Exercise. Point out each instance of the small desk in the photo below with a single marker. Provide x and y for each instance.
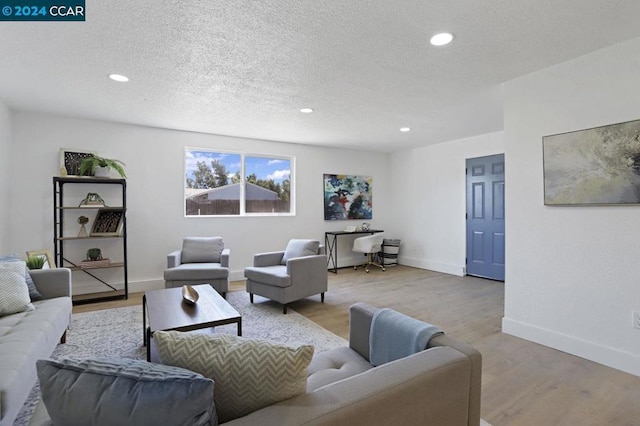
(332, 245)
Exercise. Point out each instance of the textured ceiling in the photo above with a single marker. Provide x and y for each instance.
(245, 68)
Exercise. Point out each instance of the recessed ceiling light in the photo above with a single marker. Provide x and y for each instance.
(405, 129)
(441, 39)
(119, 78)
(306, 110)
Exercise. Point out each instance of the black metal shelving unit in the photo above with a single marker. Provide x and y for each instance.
(59, 238)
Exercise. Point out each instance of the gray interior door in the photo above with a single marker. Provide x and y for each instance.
(485, 217)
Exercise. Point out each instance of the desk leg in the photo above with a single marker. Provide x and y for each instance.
(144, 319)
(332, 252)
(240, 327)
(148, 340)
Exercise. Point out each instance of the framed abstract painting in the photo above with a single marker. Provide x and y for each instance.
(597, 166)
(348, 197)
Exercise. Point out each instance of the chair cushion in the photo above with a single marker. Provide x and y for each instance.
(271, 275)
(34, 294)
(124, 392)
(196, 271)
(333, 365)
(300, 248)
(14, 293)
(249, 373)
(202, 250)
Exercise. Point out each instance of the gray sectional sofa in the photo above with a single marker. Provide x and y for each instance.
(28, 336)
(437, 386)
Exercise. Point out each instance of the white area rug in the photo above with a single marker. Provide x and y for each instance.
(118, 333)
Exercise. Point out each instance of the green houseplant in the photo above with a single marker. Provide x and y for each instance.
(94, 254)
(89, 165)
(36, 262)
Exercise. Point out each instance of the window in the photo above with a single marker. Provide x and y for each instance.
(223, 183)
(268, 185)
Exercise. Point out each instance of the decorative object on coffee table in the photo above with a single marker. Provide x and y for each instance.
(189, 295)
(83, 220)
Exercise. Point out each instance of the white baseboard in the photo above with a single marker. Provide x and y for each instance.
(611, 357)
(140, 286)
(236, 275)
(445, 268)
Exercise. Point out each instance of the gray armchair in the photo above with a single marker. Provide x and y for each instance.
(202, 260)
(293, 274)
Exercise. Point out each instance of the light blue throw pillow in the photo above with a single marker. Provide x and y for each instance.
(124, 392)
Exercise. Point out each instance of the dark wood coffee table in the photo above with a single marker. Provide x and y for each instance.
(167, 311)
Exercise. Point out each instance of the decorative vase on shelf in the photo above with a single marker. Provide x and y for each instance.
(94, 254)
(102, 172)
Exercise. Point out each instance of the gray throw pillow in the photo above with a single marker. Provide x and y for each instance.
(300, 248)
(202, 250)
(34, 294)
(124, 392)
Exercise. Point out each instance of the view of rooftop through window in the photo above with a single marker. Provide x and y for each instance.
(216, 183)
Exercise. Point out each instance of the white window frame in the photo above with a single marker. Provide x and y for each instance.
(243, 156)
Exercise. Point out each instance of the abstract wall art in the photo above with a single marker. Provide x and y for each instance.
(594, 166)
(347, 197)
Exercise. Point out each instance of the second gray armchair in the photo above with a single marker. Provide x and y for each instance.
(202, 260)
(293, 274)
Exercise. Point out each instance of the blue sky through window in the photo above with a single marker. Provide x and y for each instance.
(278, 169)
(231, 162)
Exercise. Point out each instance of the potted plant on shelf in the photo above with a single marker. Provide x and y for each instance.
(100, 167)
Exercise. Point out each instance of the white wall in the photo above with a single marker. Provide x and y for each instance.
(429, 201)
(155, 170)
(5, 156)
(572, 273)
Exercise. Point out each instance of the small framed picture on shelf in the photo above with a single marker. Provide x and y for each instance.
(108, 223)
(49, 263)
(70, 160)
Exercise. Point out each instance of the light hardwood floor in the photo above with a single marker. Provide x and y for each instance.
(523, 383)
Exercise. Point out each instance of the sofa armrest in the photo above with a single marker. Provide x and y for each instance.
(268, 259)
(174, 259)
(476, 371)
(224, 258)
(427, 388)
(360, 317)
(52, 282)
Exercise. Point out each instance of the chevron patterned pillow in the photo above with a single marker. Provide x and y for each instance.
(14, 294)
(249, 374)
